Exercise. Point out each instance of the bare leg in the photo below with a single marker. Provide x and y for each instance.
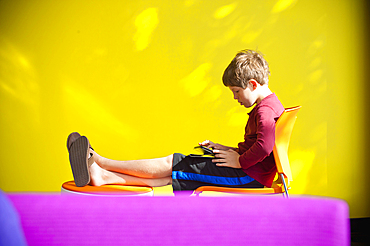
(100, 176)
(148, 169)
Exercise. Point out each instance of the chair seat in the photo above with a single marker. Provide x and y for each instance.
(106, 190)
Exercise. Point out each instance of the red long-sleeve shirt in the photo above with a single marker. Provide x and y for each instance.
(256, 158)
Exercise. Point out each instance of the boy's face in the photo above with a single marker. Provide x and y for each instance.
(245, 97)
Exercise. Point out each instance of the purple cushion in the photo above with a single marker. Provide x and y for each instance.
(266, 220)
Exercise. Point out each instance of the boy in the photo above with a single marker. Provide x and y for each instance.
(250, 165)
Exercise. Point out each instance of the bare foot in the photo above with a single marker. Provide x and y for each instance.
(97, 175)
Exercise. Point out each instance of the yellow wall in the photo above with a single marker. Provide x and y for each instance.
(142, 79)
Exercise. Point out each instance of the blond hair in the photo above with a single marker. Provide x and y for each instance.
(247, 65)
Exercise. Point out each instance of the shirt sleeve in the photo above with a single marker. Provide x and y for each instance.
(264, 144)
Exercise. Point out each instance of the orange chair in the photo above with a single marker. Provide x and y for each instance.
(70, 187)
(283, 131)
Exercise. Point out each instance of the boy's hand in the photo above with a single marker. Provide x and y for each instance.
(210, 144)
(226, 158)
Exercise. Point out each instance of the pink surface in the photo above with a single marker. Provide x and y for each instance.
(80, 220)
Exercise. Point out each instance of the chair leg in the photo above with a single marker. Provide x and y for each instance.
(285, 187)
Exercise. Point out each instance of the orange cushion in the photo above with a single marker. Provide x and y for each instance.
(107, 189)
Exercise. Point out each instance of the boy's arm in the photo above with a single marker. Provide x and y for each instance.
(262, 148)
(265, 139)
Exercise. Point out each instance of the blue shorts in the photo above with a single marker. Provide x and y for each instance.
(189, 173)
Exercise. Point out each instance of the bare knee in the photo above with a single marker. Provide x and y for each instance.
(161, 169)
(169, 160)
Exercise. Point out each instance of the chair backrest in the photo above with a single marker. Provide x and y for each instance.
(283, 131)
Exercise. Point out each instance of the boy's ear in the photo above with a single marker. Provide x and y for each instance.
(253, 83)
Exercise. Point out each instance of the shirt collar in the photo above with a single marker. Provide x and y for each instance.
(263, 102)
